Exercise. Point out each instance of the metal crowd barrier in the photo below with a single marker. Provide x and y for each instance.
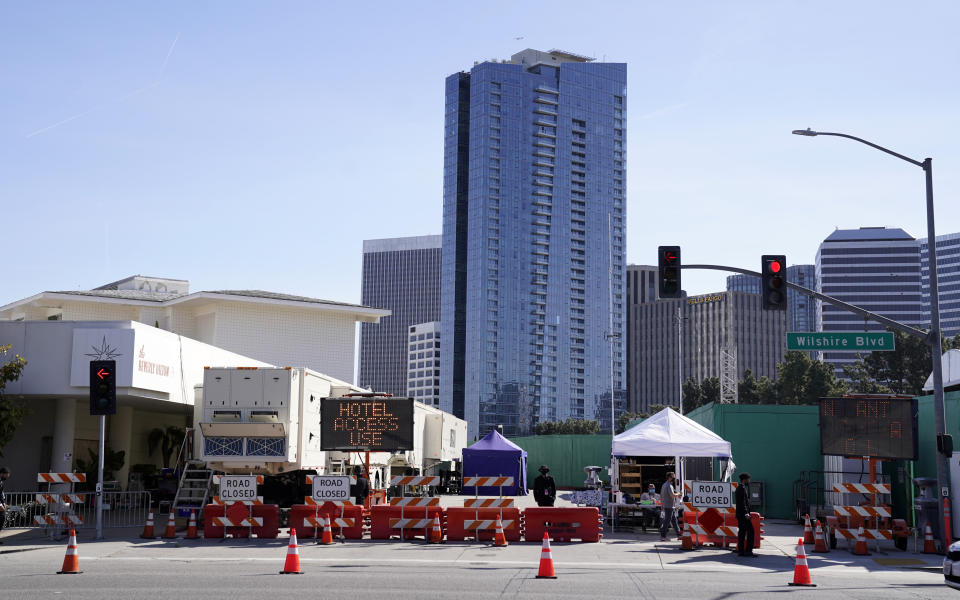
(49, 510)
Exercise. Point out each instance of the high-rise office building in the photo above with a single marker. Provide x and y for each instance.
(801, 309)
(948, 274)
(641, 289)
(423, 362)
(723, 334)
(874, 268)
(533, 240)
(402, 274)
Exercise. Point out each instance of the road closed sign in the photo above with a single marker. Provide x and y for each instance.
(236, 488)
(710, 494)
(331, 488)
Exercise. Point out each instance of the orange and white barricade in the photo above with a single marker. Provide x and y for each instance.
(59, 504)
(403, 480)
(488, 503)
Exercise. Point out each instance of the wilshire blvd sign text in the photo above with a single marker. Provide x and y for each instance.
(841, 341)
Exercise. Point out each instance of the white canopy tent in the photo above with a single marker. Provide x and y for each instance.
(668, 433)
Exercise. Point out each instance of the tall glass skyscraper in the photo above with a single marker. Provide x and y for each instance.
(875, 268)
(533, 240)
(402, 274)
(948, 274)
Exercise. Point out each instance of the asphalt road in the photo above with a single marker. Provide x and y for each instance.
(618, 567)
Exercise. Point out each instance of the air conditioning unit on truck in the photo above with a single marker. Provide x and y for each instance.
(268, 421)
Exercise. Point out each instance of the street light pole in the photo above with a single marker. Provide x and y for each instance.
(933, 336)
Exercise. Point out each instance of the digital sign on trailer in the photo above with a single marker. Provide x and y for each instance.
(377, 424)
(876, 427)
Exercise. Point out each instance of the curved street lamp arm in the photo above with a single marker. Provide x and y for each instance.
(872, 145)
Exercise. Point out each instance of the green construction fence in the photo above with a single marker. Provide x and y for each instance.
(566, 455)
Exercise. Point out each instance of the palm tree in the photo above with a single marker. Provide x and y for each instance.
(168, 439)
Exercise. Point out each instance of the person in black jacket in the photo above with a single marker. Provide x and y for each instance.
(544, 488)
(4, 474)
(745, 525)
(361, 489)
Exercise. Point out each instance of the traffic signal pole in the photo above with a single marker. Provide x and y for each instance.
(932, 339)
(103, 431)
(919, 333)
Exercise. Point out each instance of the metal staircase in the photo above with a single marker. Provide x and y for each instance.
(194, 486)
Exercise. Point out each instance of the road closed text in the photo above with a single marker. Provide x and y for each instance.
(710, 494)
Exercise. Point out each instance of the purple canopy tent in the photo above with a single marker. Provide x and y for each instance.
(495, 456)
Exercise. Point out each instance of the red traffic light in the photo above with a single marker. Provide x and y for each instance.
(775, 266)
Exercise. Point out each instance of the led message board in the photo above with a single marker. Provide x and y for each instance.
(874, 427)
(366, 423)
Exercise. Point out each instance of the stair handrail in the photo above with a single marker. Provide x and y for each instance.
(185, 453)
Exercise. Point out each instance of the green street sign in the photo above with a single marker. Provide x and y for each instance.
(840, 341)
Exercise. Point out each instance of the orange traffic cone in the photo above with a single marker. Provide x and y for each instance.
(801, 573)
(807, 530)
(820, 544)
(929, 544)
(686, 541)
(546, 560)
(148, 528)
(436, 533)
(292, 565)
(71, 560)
(326, 538)
(192, 526)
(498, 538)
(860, 547)
(171, 531)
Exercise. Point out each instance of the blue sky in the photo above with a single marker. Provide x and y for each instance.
(251, 145)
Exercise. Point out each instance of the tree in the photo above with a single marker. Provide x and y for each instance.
(112, 462)
(800, 381)
(822, 383)
(902, 370)
(11, 411)
(574, 426)
(748, 391)
(168, 439)
(792, 378)
(861, 382)
(692, 394)
(625, 418)
(711, 389)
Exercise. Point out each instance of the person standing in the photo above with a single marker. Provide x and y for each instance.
(4, 475)
(544, 488)
(361, 489)
(745, 525)
(669, 499)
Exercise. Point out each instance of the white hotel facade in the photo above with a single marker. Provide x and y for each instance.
(162, 336)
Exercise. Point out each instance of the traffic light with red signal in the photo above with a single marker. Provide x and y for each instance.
(103, 387)
(668, 263)
(773, 288)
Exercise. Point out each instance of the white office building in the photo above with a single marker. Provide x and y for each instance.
(423, 363)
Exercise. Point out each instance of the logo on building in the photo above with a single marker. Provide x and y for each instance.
(151, 368)
(104, 352)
